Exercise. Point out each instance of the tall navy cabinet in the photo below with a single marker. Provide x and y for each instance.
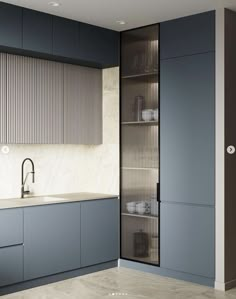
(187, 95)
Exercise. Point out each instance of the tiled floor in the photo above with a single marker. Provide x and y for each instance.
(122, 283)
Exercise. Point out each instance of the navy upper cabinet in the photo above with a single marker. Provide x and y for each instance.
(98, 45)
(65, 37)
(10, 25)
(56, 38)
(185, 36)
(37, 31)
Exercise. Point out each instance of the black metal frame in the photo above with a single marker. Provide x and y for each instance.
(120, 152)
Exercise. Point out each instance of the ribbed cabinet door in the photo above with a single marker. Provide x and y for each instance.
(49, 102)
(3, 99)
(21, 99)
(82, 105)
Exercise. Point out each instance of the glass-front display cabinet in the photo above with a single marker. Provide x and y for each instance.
(139, 149)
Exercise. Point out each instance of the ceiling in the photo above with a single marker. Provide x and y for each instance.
(135, 13)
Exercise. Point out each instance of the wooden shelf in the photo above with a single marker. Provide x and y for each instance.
(140, 76)
(147, 216)
(140, 123)
(141, 168)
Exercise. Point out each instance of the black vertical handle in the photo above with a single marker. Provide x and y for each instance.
(158, 192)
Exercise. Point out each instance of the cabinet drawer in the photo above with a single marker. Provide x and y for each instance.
(11, 227)
(11, 265)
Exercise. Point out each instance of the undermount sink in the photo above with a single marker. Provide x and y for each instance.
(51, 199)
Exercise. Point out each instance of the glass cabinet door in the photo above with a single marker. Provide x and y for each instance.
(139, 148)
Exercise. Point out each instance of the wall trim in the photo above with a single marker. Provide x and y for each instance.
(220, 150)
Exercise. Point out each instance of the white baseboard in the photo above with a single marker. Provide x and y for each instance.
(221, 286)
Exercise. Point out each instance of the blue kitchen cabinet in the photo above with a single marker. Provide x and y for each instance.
(187, 131)
(188, 239)
(98, 45)
(187, 36)
(10, 26)
(11, 227)
(51, 239)
(99, 231)
(37, 31)
(65, 37)
(11, 265)
(11, 246)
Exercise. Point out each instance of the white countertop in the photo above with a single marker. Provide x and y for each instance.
(51, 199)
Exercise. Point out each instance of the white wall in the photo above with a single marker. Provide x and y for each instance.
(71, 168)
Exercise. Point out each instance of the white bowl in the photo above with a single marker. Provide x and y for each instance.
(155, 114)
(147, 114)
(131, 204)
(131, 210)
(140, 210)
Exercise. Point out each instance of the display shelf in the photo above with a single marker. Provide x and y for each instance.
(140, 168)
(148, 216)
(141, 75)
(140, 123)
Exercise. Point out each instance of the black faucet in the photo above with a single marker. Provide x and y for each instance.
(23, 192)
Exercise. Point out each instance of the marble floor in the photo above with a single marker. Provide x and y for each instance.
(122, 283)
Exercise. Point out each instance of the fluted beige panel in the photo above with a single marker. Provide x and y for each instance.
(34, 101)
(82, 105)
(21, 99)
(49, 102)
(3, 99)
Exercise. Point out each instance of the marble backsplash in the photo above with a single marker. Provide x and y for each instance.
(70, 168)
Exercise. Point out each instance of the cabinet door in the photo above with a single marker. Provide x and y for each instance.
(65, 37)
(51, 239)
(3, 99)
(49, 102)
(82, 105)
(187, 129)
(34, 101)
(11, 227)
(37, 31)
(187, 239)
(11, 261)
(188, 35)
(21, 99)
(106, 43)
(99, 231)
(10, 25)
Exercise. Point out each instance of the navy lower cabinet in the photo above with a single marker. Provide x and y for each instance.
(187, 239)
(10, 26)
(37, 31)
(11, 265)
(187, 160)
(51, 239)
(11, 227)
(99, 231)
